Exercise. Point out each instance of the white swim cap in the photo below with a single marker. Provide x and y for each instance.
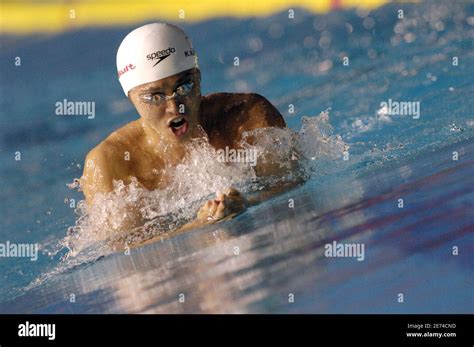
(152, 52)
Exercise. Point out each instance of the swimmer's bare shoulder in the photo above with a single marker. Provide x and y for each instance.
(226, 116)
(106, 162)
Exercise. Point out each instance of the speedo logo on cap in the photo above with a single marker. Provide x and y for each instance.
(161, 55)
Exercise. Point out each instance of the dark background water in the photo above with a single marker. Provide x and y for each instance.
(295, 62)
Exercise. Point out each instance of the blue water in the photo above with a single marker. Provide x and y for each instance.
(295, 62)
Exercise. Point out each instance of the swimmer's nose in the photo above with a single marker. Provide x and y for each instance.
(172, 107)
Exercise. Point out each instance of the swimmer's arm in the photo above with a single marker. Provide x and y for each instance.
(257, 198)
(97, 176)
(101, 168)
(263, 114)
(226, 205)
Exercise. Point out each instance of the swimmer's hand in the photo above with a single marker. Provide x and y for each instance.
(225, 206)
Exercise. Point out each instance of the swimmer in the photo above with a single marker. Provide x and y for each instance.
(158, 71)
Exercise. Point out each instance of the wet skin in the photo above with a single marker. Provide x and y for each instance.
(144, 147)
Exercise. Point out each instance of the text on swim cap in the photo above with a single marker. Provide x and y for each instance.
(189, 53)
(125, 69)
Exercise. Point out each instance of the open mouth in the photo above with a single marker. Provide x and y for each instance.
(179, 126)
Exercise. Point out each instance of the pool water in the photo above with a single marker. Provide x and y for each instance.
(271, 258)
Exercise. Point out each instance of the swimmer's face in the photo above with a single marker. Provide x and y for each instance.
(173, 118)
